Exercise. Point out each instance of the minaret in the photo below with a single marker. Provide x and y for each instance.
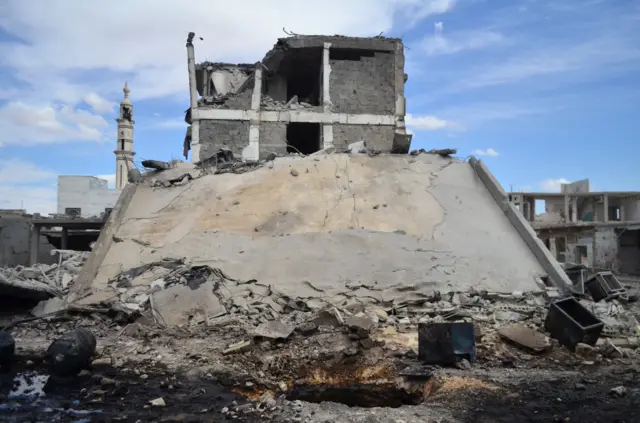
(124, 150)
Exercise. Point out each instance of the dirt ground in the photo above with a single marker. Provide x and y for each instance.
(198, 384)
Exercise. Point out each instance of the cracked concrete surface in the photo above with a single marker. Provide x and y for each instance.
(398, 227)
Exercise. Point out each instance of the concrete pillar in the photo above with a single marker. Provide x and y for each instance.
(622, 212)
(574, 212)
(193, 99)
(34, 250)
(64, 239)
(327, 136)
(605, 203)
(552, 247)
(326, 73)
(251, 152)
(567, 218)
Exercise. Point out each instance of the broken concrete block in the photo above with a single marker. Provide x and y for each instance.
(586, 351)
(610, 350)
(179, 304)
(49, 306)
(509, 316)
(359, 147)
(274, 330)
(329, 317)
(361, 324)
(525, 337)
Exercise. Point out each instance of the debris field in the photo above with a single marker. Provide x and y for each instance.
(305, 289)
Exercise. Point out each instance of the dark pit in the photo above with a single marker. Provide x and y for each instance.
(360, 395)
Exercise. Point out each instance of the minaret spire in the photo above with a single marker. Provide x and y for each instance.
(124, 149)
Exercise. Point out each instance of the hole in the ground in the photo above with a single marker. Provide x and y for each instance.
(360, 395)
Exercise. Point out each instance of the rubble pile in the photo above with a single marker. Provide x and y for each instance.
(181, 295)
(269, 103)
(43, 281)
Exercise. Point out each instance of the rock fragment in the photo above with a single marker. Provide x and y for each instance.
(274, 330)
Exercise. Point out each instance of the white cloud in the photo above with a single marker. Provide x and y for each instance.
(488, 152)
(552, 185)
(26, 185)
(20, 172)
(429, 123)
(24, 124)
(66, 41)
(98, 103)
(111, 179)
(439, 44)
(588, 59)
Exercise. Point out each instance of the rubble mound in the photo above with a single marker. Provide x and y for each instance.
(385, 229)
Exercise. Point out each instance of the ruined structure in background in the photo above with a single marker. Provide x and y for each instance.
(307, 94)
(596, 229)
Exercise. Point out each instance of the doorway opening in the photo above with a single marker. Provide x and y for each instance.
(303, 137)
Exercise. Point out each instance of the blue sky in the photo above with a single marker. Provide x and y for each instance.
(542, 91)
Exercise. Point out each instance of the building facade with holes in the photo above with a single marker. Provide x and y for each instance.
(85, 196)
(596, 229)
(307, 94)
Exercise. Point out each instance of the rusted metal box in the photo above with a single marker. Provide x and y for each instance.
(571, 323)
(446, 343)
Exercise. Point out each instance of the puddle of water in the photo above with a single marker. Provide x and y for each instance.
(28, 385)
(27, 399)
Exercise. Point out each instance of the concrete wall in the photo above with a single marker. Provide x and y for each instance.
(276, 88)
(629, 252)
(273, 138)
(92, 195)
(14, 242)
(631, 209)
(215, 134)
(606, 249)
(377, 137)
(241, 101)
(365, 85)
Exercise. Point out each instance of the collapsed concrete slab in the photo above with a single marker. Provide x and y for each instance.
(391, 229)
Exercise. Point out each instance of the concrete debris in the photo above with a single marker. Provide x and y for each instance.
(181, 305)
(268, 103)
(158, 402)
(156, 165)
(42, 281)
(526, 338)
(274, 330)
(446, 152)
(618, 391)
(359, 147)
(586, 351)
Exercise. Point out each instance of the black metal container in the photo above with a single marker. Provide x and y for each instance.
(570, 323)
(604, 285)
(7, 348)
(445, 343)
(71, 353)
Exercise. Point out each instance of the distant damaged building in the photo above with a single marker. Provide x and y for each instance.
(307, 94)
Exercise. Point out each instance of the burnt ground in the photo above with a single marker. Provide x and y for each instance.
(475, 395)
(198, 384)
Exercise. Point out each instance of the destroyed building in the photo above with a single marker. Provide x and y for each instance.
(308, 93)
(596, 229)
